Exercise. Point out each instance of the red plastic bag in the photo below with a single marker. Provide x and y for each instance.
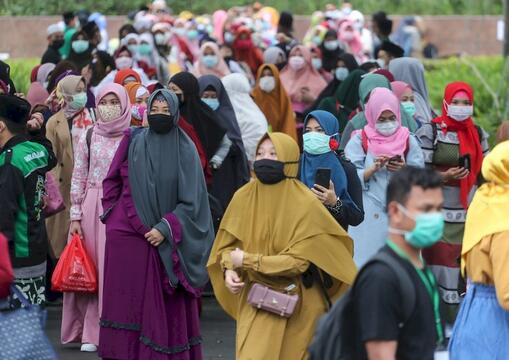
(75, 270)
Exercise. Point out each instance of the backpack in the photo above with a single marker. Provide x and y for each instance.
(335, 334)
(364, 141)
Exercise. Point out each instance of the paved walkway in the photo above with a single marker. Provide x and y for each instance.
(218, 332)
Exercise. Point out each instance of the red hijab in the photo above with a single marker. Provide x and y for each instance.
(246, 51)
(468, 137)
(124, 74)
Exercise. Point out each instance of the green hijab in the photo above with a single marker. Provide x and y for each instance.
(346, 96)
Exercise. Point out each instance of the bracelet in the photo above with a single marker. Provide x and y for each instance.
(337, 207)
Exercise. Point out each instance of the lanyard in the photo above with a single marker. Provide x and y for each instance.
(430, 283)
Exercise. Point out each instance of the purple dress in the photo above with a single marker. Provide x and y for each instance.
(143, 317)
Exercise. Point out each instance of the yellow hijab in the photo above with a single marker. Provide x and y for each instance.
(281, 219)
(489, 210)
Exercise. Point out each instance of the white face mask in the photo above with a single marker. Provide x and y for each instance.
(331, 45)
(109, 112)
(296, 62)
(387, 128)
(460, 112)
(317, 63)
(267, 83)
(123, 62)
(381, 63)
(161, 39)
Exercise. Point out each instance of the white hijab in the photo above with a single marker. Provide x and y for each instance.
(251, 120)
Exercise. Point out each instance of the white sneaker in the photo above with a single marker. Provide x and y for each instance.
(88, 348)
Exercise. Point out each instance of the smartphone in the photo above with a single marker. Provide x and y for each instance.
(464, 161)
(397, 158)
(322, 177)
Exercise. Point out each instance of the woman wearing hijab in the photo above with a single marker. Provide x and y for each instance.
(81, 51)
(210, 62)
(367, 85)
(37, 94)
(455, 146)
(382, 147)
(123, 77)
(43, 73)
(159, 233)
(345, 99)
(232, 171)
(138, 96)
(244, 50)
(266, 239)
(272, 99)
(300, 80)
(251, 120)
(274, 55)
(351, 38)
(321, 135)
(316, 61)
(330, 50)
(95, 151)
(61, 68)
(411, 71)
(64, 130)
(484, 313)
(405, 94)
(198, 118)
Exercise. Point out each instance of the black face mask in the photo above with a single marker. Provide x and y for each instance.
(271, 171)
(160, 123)
(57, 44)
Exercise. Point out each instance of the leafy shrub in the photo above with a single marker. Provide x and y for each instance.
(20, 72)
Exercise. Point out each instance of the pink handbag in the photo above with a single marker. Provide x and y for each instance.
(273, 301)
(53, 198)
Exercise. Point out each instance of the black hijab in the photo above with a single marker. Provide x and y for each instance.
(5, 76)
(198, 114)
(166, 178)
(330, 57)
(83, 59)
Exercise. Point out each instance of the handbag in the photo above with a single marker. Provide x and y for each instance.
(22, 332)
(53, 198)
(282, 304)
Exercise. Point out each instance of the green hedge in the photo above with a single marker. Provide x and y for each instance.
(491, 78)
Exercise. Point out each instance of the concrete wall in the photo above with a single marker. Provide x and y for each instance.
(25, 36)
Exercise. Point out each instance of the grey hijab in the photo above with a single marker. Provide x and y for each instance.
(271, 55)
(411, 71)
(166, 177)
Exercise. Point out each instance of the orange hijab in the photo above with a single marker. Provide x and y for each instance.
(276, 105)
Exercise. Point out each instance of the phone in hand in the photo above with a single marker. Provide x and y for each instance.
(396, 158)
(464, 161)
(322, 177)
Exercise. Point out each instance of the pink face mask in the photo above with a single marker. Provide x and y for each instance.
(138, 111)
(296, 62)
(347, 35)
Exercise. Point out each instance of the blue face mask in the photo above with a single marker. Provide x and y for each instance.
(212, 103)
(133, 48)
(192, 34)
(80, 46)
(144, 49)
(429, 229)
(78, 101)
(317, 63)
(210, 61)
(409, 107)
(341, 73)
(316, 143)
(317, 40)
(228, 37)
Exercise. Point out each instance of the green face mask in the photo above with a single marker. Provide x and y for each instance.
(429, 228)
(409, 107)
(144, 49)
(79, 101)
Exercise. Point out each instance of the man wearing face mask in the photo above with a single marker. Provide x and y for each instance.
(387, 52)
(396, 301)
(55, 41)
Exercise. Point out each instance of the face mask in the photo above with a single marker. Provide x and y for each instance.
(267, 83)
(79, 101)
(212, 103)
(109, 112)
(138, 110)
(210, 61)
(429, 228)
(161, 39)
(297, 62)
(387, 128)
(460, 112)
(160, 123)
(123, 62)
(192, 34)
(342, 73)
(270, 171)
(348, 35)
(228, 37)
(317, 63)
(381, 63)
(331, 45)
(316, 143)
(57, 44)
(409, 107)
(133, 48)
(180, 31)
(145, 49)
(316, 40)
(80, 46)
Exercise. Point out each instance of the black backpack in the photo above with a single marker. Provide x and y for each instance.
(335, 334)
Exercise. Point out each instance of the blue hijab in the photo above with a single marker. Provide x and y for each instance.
(309, 163)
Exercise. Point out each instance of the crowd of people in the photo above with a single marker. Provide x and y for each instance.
(195, 148)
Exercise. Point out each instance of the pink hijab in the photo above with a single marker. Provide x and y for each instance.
(220, 70)
(37, 94)
(355, 44)
(117, 126)
(219, 19)
(382, 99)
(399, 87)
(293, 80)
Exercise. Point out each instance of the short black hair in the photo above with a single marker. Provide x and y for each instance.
(385, 26)
(14, 127)
(369, 65)
(403, 180)
(68, 16)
